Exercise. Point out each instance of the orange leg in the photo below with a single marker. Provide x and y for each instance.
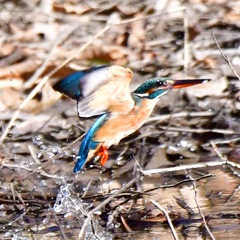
(104, 155)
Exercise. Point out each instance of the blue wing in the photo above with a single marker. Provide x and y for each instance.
(99, 90)
(70, 85)
(88, 143)
(73, 84)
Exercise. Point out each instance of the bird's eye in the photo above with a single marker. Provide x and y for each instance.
(166, 83)
(159, 83)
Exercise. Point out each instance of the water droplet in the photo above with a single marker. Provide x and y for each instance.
(98, 212)
(55, 150)
(46, 220)
(117, 225)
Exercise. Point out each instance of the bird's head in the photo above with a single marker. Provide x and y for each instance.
(156, 87)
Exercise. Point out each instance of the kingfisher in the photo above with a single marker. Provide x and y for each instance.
(103, 92)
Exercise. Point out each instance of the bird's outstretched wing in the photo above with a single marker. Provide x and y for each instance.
(99, 90)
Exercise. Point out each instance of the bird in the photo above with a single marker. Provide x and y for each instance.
(103, 93)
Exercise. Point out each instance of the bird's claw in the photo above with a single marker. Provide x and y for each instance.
(104, 155)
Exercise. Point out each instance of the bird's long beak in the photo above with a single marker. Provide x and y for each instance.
(187, 83)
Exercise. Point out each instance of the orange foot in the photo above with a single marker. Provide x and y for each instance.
(104, 155)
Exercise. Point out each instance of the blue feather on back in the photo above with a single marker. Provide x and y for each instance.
(88, 143)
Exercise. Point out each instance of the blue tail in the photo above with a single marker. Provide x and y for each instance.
(70, 85)
(88, 143)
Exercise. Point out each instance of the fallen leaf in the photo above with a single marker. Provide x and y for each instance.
(70, 8)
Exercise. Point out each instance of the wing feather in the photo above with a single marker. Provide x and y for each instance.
(72, 85)
(99, 90)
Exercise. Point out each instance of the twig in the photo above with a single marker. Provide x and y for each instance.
(69, 145)
(113, 196)
(150, 16)
(225, 57)
(13, 193)
(125, 224)
(186, 42)
(215, 148)
(167, 217)
(198, 130)
(33, 154)
(182, 167)
(81, 233)
(20, 198)
(220, 155)
(87, 188)
(222, 141)
(18, 218)
(181, 114)
(178, 183)
(38, 169)
(57, 222)
(94, 232)
(199, 209)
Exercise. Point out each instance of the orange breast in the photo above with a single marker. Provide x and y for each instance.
(120, 126)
